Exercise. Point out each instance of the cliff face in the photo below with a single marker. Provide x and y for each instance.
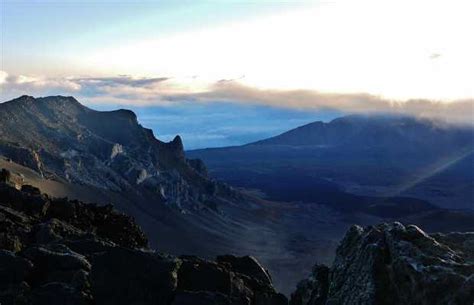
(56, 251)
(391, 264)
(62, 139)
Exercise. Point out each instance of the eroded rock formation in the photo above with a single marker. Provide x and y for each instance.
(62, 139)
(392, 264)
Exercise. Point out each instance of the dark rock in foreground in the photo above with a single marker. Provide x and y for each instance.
(392, 264)
(58, 252)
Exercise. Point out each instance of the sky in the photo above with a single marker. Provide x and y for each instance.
(254, 61)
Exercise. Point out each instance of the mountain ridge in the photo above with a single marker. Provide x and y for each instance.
(320, 133)
(380, 156)
(62, 138)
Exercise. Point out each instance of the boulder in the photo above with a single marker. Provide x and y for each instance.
(89, 245)
(55, 230)
(14, 271)
(242, 280)
(59, 294)
(125, 276)
(14, 229)
(392, 264)
(247, 265)
(56, 257)
(200, 275)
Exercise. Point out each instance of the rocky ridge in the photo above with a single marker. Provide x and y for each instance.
(391, 264)
(57, 251)
(62, 139)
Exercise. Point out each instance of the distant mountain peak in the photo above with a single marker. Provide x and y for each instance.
(24, 97)
(51, 104)
(21, 99)
(53, 98)
(363, 130)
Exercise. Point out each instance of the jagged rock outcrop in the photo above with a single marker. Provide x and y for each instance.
(392, 264)
(56, 252)
(60, 138)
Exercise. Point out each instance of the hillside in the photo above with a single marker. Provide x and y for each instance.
(379, 156)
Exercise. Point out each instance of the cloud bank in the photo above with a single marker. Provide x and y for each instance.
(457, 111)
(127, 90)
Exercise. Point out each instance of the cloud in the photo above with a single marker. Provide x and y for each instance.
(3, 77)
(122, 80)
(14, 85)
(457, 111)
(127, 90)
(121, 89)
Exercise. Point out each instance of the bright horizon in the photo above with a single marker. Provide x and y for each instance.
(409, 57)
(398, 50)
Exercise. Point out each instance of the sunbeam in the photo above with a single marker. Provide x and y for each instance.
(430, 171)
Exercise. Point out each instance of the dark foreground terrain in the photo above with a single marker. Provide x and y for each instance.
(56, 251)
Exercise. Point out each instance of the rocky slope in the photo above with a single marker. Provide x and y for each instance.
(56, 251)
(392, 264)
(62, 139)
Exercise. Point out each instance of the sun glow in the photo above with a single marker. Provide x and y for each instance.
(399, 50)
